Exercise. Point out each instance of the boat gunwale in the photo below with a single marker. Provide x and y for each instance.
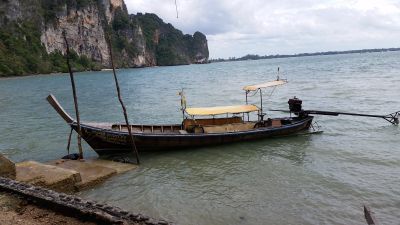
(256, 130)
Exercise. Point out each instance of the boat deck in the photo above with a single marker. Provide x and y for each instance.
(206, 126)
(170, 128)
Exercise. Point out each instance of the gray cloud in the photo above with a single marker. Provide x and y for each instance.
(235, 28)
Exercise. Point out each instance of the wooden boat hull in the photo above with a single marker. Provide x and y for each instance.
(108, 141)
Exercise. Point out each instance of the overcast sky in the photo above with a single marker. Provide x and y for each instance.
(240, 27)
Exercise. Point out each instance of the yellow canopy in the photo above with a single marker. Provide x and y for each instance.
(265, 85)
(221, 110)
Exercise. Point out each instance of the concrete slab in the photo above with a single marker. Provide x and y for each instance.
(92, 172)
(53, 177)
(69, 175)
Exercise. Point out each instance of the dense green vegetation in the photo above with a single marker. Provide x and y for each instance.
(121, 20)
(21, 52)
(50, 8)
(169, 49)
(149, 23)
(120, 26)
(169, 45)
(173, 47)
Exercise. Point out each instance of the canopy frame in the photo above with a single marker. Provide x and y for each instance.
(258, 88)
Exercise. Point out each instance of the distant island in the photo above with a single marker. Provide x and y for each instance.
(257, 57)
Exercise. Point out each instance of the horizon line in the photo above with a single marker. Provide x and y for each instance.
(257, 56)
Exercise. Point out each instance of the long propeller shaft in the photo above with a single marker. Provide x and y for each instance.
(392, 118)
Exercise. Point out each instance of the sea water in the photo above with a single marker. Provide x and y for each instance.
(312, 179)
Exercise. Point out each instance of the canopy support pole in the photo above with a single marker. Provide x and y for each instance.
(247, 102)
(261, 102)
(262, 111)
(183, 104)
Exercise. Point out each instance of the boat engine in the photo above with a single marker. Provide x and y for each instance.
(295, 105)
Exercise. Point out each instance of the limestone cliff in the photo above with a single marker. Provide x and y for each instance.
(169, 46)
(31, 37)
(84, 30)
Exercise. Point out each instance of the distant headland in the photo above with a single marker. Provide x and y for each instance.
(257, 57)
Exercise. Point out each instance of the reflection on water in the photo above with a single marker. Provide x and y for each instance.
(295, 153)
(306, 179)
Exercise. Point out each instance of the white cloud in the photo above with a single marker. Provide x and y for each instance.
(235, 28)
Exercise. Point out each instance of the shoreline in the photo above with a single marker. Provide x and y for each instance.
(83, 71)
(301, 55)
(50, 74)
(32, 75)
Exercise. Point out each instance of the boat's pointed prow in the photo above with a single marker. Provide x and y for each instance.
(60, 110)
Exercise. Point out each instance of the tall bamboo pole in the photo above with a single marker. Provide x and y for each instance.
(134, 149)
(71, 75)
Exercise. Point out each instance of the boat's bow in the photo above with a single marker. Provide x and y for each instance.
(59, 109)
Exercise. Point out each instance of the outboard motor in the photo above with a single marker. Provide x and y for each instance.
(295, 105)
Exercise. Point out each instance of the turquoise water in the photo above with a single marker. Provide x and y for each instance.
(318, 179)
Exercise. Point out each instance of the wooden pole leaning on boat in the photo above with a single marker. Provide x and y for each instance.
(71, 75)
(122, 103)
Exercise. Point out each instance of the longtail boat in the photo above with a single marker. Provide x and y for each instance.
(107, 138)
(202, 126)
